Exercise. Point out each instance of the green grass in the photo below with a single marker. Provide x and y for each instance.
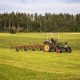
(38, 65)
(37, 38)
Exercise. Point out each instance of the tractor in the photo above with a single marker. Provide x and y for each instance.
(52, 45)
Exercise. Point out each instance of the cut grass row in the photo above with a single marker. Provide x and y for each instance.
(13, 73)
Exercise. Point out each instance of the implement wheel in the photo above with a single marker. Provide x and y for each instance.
(47, 48)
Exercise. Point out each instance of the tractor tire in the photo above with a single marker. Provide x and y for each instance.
(69, 50)
(47, 48)
(58, 50)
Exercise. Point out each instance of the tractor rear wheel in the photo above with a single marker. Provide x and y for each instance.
(47, 48)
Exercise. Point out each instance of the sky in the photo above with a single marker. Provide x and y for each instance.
(40, 6)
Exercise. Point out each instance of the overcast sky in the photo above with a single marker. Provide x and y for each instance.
(40, 6)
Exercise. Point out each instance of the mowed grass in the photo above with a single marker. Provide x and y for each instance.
(7, 40)
(38, 65)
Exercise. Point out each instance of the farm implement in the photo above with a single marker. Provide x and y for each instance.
(28, 47)
(47, 46)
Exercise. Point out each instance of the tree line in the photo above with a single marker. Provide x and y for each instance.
(22, 22)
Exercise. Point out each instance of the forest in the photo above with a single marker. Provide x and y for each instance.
(25, 22)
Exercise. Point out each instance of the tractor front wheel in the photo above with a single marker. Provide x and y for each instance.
(58, 50)
(69, 50)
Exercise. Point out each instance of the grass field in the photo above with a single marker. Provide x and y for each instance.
(38, 65)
